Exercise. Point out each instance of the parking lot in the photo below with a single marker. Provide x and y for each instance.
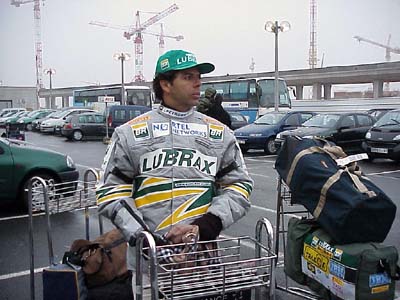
(14, 255)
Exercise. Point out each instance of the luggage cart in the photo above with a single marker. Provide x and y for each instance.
(238, 272)
(285, 207)
(15, 131)
(48, 198)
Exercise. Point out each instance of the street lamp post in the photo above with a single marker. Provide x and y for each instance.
(122, 56)
(50, 72)
(276, 28)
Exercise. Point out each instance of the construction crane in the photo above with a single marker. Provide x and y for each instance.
(137, 31)
(386, 47)
(38, 41)
(312, 52)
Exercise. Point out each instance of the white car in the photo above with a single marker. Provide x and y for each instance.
(54, 125)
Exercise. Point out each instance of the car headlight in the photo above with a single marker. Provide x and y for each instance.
(70, 162)
(20, 121)
(396, 138)
(255, 134)
(308, 136)
(368, 135)
(278, 136)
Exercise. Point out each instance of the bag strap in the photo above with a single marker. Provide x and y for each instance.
(392, 271)
(333, 179)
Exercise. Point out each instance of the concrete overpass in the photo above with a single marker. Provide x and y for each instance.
(376, 74)
(321, 79)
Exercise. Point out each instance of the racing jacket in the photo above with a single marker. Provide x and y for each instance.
(173, 167)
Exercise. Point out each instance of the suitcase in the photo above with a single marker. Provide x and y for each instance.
(359, 271)
(347, 205)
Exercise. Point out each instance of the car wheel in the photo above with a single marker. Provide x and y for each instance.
(77, 135)
(37, 192)
(270, 147)
(29, 126)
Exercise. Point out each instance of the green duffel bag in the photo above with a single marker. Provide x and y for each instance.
(298, 230)
(359, 271)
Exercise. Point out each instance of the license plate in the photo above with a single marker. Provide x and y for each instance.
(379, 150)
(241, 142)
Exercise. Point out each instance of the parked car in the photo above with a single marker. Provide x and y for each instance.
(21, 161)
(34, 115)
(383, 139)
(54, 124)
(261, 134)
(84, 126)
(14, 118)
(12, 115)
(36, 123)
(346, 130)
(377, 113)
(237, 119)
(5, 111)
(120, 114)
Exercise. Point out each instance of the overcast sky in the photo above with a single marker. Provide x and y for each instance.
(226, 33)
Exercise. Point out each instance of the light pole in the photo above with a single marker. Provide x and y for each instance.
(276, 28)
(122, 56)
(50, 72)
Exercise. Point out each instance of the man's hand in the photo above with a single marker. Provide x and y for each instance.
(183, 234)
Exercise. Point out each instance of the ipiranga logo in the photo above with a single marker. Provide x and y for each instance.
(216, 132)
(162, 158)
(140, 131)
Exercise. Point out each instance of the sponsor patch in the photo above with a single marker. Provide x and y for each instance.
(316, 258)
(160, 129)
(162, 158)
(337, 269)
(140, 131)
(164, 64)
(379, 279)
(139, 119)
(216, 132)
(380, 289)
(188, 129)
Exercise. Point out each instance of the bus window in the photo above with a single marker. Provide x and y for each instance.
(238, 90)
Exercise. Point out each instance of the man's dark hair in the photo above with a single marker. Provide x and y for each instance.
(168, 76)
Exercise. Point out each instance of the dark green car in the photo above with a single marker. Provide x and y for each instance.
(20, 161)
(34, 115)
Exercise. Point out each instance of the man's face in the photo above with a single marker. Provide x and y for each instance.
(184, 91)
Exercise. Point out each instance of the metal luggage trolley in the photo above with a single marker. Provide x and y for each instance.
(236, 272)
(50, 198)
(285, 207)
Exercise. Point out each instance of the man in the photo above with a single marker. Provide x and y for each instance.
(211, 105)
(178, 169)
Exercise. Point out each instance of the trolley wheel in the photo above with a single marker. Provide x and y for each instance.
(270, 147)
(51, 180)
(77, 135)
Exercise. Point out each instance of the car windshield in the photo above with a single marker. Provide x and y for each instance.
(33, 113)
(269, 119)
(322, 120)
(388, 119)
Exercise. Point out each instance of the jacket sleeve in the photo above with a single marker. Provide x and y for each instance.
(234, 186)
(116, 184)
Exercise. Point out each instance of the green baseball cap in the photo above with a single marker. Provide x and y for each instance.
(175, 60)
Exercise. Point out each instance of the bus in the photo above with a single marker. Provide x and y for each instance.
(135, 95)
(252, 97)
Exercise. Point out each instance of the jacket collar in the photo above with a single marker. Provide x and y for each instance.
(169, 112)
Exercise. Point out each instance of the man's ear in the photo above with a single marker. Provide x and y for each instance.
(165, 85)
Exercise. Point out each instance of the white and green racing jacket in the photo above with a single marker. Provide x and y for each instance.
(173, 167)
